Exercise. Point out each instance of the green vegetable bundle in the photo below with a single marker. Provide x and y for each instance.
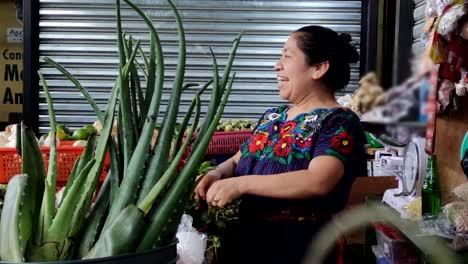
(140, 204)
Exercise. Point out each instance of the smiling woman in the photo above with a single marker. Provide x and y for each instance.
(296, 170)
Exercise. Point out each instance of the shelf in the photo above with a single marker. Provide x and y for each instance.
(379, 128)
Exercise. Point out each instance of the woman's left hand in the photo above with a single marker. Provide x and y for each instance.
(223, 192)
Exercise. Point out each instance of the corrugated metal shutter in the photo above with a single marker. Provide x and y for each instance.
(80, 34)
(419, 21)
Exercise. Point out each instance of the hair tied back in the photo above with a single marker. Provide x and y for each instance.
(349, 51)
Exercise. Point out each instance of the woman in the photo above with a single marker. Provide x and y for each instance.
(297, 169)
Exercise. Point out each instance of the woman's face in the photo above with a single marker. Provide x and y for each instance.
(293, 73)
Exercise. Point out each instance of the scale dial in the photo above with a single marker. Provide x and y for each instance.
(411, 167)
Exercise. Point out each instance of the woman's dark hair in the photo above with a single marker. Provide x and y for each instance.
(321, 44)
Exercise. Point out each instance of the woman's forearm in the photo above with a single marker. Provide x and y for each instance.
(319, 179)
(290, 185)
(227, 168)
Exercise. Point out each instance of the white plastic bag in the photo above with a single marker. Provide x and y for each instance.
(192, 244)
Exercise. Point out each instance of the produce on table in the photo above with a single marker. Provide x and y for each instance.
(236, 125)
(144, 195)
(8, 137)
(81, 134)
(63, 133)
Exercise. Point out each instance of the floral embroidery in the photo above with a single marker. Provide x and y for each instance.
(302, 143)
(258, 142)
(342, 142)
(287, 129)
(286, 141)
(273, 128)
(273, 116)
(283, 147)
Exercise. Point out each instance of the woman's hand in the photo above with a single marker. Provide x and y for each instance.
(224, 191)
(203, 186)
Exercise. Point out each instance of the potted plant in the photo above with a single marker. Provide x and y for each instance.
(135, 216)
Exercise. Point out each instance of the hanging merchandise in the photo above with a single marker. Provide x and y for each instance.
(456, 53)
(430, 110)
(445, 95)
(461, 88)
(436, 7)
(448, 21)
(449, 49)
(438, 44)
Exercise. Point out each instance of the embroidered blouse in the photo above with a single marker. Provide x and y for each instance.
(280, 145)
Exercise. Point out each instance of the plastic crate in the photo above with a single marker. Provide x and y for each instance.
(397, 249)
(227, 142)
(10, 162)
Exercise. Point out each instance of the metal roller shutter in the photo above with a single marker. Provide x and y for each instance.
(80, 34)
(419, 20)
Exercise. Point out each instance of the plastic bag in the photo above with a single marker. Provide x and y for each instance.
(431, 8)
(448, 21)
(192, 244)
(436, 7)
(450, 223)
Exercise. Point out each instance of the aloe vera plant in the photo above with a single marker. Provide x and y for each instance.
(143, 197)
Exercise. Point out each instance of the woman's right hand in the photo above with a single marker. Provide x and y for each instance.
(203, 186)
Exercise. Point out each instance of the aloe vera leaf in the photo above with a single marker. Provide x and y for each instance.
(10, 243)
(121, 236)
(55, 241)
(48, 201)
(214, 98)
(95, 173)
(70, 215)
(154, 70)
(116, 172)
(87, 155)
(84, 159)
(94, 221)
(134, 87)
(224, 80)
(129, 140)
(128, 51)
(61, 222)
(75, 81)
(186, 119)
(232, 55)
(120, 39)
(171, 172)
(164, 223)
(129, 185)
(188, 85)
(33, 166)
(71, 179)
(145, 59)
(158, 163)
(142, 69)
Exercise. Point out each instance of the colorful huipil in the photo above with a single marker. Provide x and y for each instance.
(280, 145)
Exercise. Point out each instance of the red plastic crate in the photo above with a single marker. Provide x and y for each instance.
(394, 246)
(227, 142)
(10, 162)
